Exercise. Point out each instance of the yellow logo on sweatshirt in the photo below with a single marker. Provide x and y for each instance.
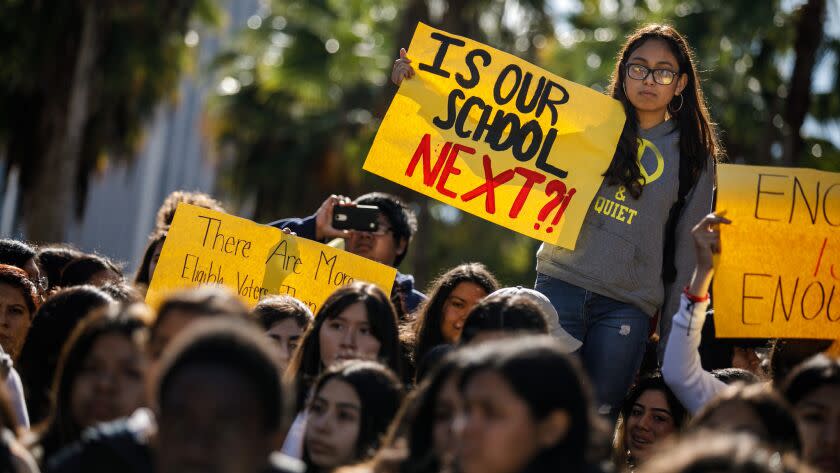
(621, 212)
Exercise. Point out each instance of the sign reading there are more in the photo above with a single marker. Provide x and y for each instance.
(208, 247)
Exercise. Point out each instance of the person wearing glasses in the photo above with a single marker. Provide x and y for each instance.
(387, 245)
(635, 244)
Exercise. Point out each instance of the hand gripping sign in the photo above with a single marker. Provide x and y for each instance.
(497, 137)
(778, 274)
(208, 247)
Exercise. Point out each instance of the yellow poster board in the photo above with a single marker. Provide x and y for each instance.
(208, 247)
(779, 272)
(495, 136)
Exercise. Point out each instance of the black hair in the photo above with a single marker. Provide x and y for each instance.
(430, 360)
(734, 375)
(380, 394)
(767, 405)
(306, 363)
(274, 309)
(787, 354)
(546, 379)
(60, 429)
(653, 382)
(401, 218)
(203, 301)
(52, 325)
(52, 260)
(516, 313)
(811, 375)
(143, 276)
(430, 314)
(722, 453)
(698, 133)
(80, 270)
(15, 252)
(416, 418)
(228, 344)
(122, 292)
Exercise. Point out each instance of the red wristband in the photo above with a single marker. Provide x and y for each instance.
(691, 297)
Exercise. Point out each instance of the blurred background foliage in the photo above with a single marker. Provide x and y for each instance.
(302, 89)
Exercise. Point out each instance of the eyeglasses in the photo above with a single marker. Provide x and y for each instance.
(41, 283)
(660, 76)
(382, 230)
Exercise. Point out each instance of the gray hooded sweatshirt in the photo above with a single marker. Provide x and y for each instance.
(620, 246)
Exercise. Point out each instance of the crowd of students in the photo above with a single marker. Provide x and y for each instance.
(470, 377)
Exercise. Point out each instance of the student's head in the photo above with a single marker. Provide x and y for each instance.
(753, 409)
(150, 258)
(813, 389)
(397, 225)
(122, 292)
(526, 408)
(649, 414)
(351, 407)
(101, 375)
(181, 308)
(356, 321)
(219, 398)
(284, 319)
(709, 452)
(52, 259)
(787, 354)
(18, 303)
(672, 90)
(451, 297)
(19, 254)
(736, 375)
(52, 325)
(90, 269)
(500, 316)
(166, 212)
(426, 419)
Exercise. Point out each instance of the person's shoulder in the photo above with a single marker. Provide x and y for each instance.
(120, 445)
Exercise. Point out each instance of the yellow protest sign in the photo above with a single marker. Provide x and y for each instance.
(208, 247)
(495, 136)
(779, 272)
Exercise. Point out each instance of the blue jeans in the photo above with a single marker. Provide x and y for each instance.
(614, 335)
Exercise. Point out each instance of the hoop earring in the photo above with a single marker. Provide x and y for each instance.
(678, 108)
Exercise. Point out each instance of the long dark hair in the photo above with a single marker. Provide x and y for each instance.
(143, 276)
(698, 133)
(428, 322)
(653, 382)
(61, 429)
(546, 379)
(306, 363)
(380, 394)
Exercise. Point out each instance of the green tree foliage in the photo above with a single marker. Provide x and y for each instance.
(301, 97)
(77, 79)
(749, 54)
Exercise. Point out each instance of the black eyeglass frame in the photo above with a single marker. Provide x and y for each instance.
(657, 73)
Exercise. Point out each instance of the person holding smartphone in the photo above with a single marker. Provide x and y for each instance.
(386, 241)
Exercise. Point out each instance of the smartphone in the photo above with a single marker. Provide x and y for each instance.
(363, 218)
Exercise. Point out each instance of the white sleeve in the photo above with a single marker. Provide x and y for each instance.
(681, 368)
(15, 389)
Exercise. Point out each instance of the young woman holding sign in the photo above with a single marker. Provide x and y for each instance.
(634, 248)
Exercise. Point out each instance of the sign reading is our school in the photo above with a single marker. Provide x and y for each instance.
(493, 135)
(253, 260)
